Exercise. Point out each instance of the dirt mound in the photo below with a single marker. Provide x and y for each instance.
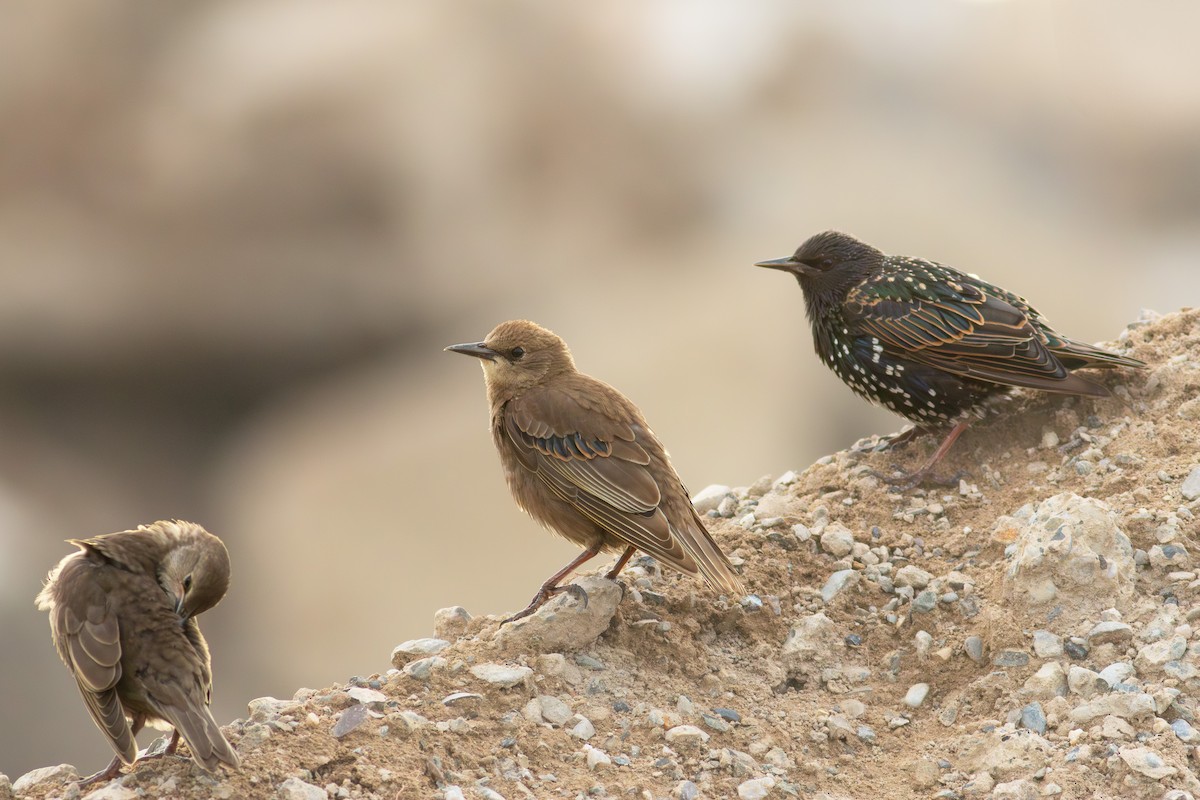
(1026, 633)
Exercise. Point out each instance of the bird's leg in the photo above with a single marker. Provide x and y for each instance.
(904, 437)
(616, 570)
(168, 750)
(107, 774)
(551, 587)
(925, 473)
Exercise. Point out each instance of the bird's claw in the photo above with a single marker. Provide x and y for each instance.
(575, 590)
(906, 481)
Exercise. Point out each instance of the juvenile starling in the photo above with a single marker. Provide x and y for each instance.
(122, 616)
(581, 460)
(931, 343)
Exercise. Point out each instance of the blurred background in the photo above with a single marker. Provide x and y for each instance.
(235, 237)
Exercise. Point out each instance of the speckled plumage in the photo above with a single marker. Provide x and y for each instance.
(926, 341)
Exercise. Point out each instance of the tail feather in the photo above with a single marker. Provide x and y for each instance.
(209, 746)
(713, 564)
(1079, 355)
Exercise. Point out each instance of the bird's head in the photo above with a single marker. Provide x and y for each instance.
(829, 261)
(518, 355)
(194, 572)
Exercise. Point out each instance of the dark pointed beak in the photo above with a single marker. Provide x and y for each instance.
(788, 264)
(477, 349)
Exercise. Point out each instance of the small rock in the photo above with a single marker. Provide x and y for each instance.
(349, 719)
(366, 696)
(584, 729)
(1186, 733)
(1106, 632)
(502, 675)
(1153, 656)
(112, 791)
(1084, 682)
(422, 668)
(686, 735)
(755, 788)
(1191, 485)
(973, 646)
(1015, 790)
(837, 540)
(29, 782)
(564, 624)
(1047, 645)
(1033, 718)
(1011, 658)
(295, 789)
(708, 498)
(453, 793)
(685, 790)
(412, 721)
(462, 698)
(554, 711)
(842, 579)
(1146, 762)
(910, 575)
(416, 648)
(916, 695)
(449, 623)
(1116, 673)
(1048, 682)
(925, 602)
(597, 759)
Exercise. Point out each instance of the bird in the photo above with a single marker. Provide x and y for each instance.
(123, 618)
(581, 460)
(933, 344)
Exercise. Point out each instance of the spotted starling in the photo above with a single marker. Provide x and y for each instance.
(581, 460)
(931, 343)
(123, 618)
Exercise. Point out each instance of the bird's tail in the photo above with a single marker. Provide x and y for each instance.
(209, 746)
(1078, 355)
(712, 563)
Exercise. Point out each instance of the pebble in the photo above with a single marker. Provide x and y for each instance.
(910, 575)
(44, 775)
(597, 759)
(842, 579)
(423, 668)
(1186, 733)
(1033, 717)
(453, 793)
(728, 714)
(916, 695)
(925, 602)
(755, 788)
(584, 729)
(366, 696)
(686, 735)
(708, 498)
(450, 622)
(1145, 761)
(553, 710)
(295, 789)
(685, 790)
(502, 675)
(416, 648)
(116, 791)
(1047, 644)
(1191, 485)
(1011, 658)
(349, 720)
(973, 646)
(1109, 632)
(837, 540)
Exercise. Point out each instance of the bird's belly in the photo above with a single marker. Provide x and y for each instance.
(550, 510)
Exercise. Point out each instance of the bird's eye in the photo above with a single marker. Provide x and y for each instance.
(187, 583)
(517, 353)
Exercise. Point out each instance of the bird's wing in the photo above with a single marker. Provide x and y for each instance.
(960, 325)
(87, 634)
(599, 465)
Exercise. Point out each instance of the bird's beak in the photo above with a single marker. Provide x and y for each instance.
(788, 264)
(477, 349)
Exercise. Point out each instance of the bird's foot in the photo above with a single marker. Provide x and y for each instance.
(909, 480)
(107, 774)
(544, 594)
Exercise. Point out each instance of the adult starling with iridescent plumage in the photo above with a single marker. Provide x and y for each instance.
(123, 618)
(928, 342)
(581, 460)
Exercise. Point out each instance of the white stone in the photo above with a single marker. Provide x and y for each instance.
(416, 648)
(755, 788)
(597, 759)
(916, 695)
(584, 729)
(1048, 682)
(365, 695)
(914, 576)
(684, 735)
(1145, 761)
(1191, 485)
(296, 789)
(60, 773)
(564, 624)
(502, 675)
(554, 711)
(837, 540)
(708, 498)
(1015, 790)
(112, 791)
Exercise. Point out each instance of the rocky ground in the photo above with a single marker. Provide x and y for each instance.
(1031, 632)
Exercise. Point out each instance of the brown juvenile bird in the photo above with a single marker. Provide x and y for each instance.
(581, 460)
(122, 616)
